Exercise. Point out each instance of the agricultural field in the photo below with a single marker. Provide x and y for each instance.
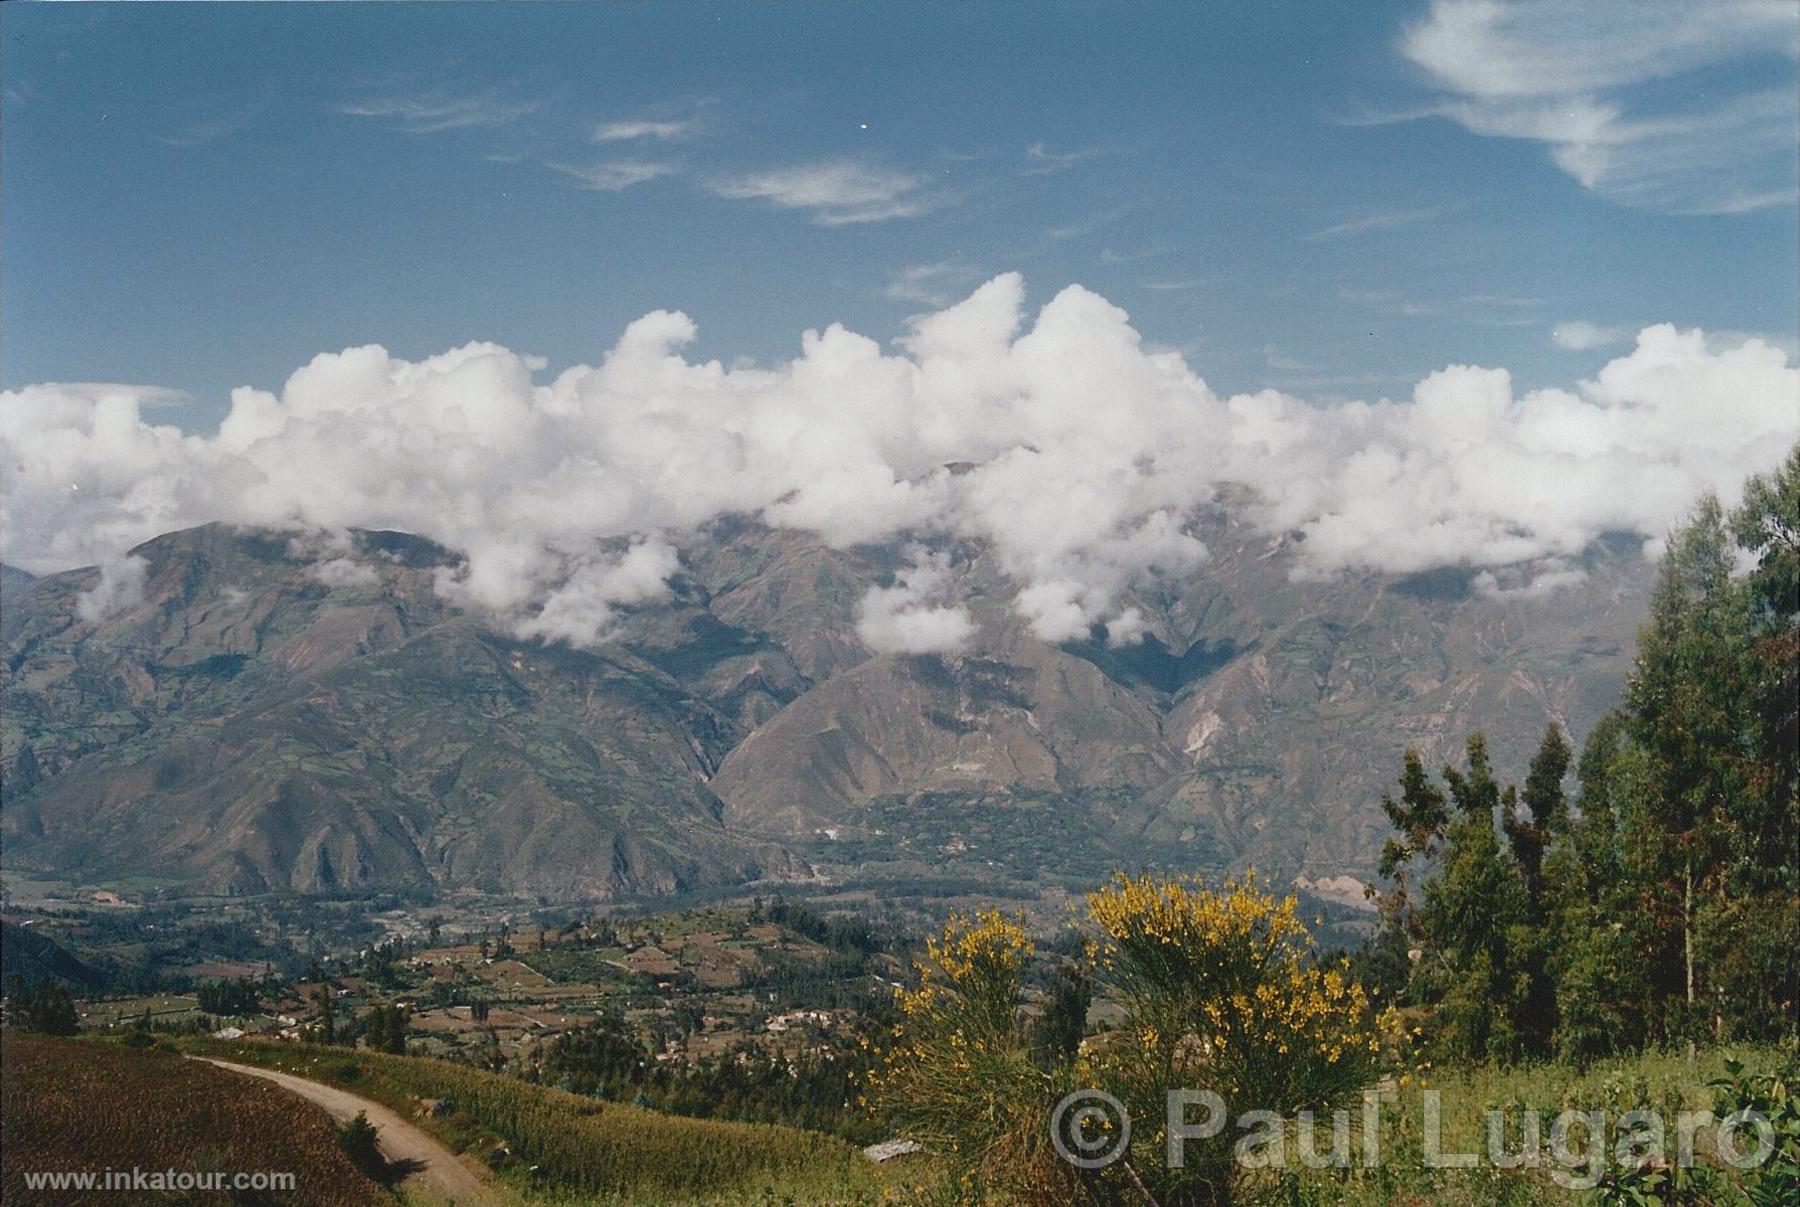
(692, 984)
(753, 1012)
(80, 1105)
(552, 1146)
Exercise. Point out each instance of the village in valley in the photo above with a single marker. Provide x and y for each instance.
(694, 984)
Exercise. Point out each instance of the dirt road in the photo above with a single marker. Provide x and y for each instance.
(435, 1169)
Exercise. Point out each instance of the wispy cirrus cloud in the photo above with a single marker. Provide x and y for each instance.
(1579, 78)
(1040, 160)
(1371, 223)
(212, 128)
(837, 192)
(929, 284)
(1579, 335)
(632, 131)
(1388, 302)
(437, 112)
(1501, 299)
(1538, 48)
(614, 176)
(1282, 361)
(1110, 256)
(1094, 223)
(1486, 309)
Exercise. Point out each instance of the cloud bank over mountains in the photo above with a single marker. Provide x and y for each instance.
(1059, 438)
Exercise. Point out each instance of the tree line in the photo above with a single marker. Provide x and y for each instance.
(1659, 903)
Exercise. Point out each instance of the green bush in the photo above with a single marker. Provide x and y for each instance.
(358, 1140)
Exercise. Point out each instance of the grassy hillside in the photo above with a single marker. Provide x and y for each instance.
(565, 1147)
(78, 1105)
(1665, 1082)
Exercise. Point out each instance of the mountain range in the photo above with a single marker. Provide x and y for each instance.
(258, 719)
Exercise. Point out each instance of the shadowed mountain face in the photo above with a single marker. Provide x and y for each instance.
(257, 722)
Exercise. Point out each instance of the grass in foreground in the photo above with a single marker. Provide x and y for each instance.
(1666, 1082)
(555, 1146)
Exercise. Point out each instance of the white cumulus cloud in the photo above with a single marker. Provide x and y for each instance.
(907, 617)
(344, 572)
(121, 588)
(581, 610)
(1074, 453)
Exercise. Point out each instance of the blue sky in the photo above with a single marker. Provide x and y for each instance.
(1333, 199)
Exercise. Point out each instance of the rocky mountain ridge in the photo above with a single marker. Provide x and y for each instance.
(270, 717)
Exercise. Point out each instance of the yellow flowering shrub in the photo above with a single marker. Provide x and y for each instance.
(1221, 992)
(1224, 995)
(1231, 971)
(956, 1074)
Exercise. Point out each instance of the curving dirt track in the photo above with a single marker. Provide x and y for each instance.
(433, 1168)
